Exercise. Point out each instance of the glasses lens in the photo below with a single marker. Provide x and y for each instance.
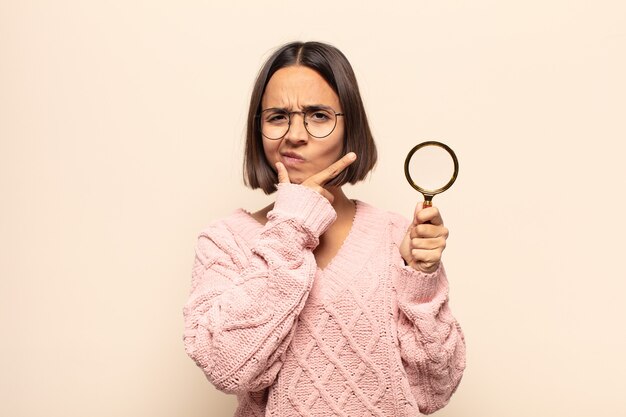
(274, 123)
(320, 122)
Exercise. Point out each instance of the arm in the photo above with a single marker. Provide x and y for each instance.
(243, 305)
(432, 344)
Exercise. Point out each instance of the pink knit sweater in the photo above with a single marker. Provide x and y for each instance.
(365, 336)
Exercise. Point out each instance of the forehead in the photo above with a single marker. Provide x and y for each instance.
(298, 86)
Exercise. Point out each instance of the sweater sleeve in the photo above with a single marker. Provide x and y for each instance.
(432, 345)
(243, 305)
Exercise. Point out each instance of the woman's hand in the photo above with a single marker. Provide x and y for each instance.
(425, 240)
(317, 181)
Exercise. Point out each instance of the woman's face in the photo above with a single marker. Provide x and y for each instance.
(297, 88)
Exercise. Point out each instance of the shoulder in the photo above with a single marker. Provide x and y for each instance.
(230, 235)
(225, 226)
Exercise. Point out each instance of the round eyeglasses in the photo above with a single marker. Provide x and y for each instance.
(319, 122)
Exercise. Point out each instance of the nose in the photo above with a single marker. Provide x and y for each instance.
(297, 132)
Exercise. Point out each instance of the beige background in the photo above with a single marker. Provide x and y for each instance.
(121, 127)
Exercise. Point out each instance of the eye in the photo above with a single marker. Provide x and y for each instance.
(319, 116)
(276, 117)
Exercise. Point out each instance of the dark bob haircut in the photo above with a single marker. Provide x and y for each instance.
(334, 67)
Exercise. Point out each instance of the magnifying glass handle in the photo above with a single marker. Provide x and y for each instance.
(428, 202)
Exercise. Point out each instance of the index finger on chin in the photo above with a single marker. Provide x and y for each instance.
(283, 175)
(334, 169)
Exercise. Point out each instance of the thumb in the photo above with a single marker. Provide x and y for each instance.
(418, 208)
(283, 175)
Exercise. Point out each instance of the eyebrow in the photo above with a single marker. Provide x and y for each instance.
(304, 108)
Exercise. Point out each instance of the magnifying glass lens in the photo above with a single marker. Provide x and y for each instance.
(431, 167)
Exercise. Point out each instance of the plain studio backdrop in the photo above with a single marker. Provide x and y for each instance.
(121, 136)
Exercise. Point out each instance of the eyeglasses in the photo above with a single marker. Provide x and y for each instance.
(319, 122)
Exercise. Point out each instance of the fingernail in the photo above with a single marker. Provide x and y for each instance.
(352, 156)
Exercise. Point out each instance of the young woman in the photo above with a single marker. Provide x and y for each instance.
(319, 305)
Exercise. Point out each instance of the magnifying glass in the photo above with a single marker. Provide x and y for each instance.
(431, 168)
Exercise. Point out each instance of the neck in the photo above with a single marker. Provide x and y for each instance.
(332, 239)
(343, 205)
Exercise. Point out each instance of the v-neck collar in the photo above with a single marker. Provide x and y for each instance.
(355, 244)
(353, 255)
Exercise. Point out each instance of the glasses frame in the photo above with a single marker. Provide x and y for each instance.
(303, 113)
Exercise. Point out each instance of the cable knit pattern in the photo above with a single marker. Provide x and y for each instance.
(366, 336)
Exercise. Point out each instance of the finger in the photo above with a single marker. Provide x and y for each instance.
(438, 243)
(333, 170)
(425, 267)
(418, 207)
(424, 256)
(427, 215)
(428, 230)
(283, 175)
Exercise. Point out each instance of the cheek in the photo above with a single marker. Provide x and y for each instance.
(271, 151)
(335, 151)
(337, 144)
(328, 155)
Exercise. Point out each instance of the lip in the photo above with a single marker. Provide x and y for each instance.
(291, 158)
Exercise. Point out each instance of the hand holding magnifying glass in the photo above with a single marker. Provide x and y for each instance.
(430, 168)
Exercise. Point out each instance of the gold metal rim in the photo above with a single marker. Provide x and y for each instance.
(431, 193)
